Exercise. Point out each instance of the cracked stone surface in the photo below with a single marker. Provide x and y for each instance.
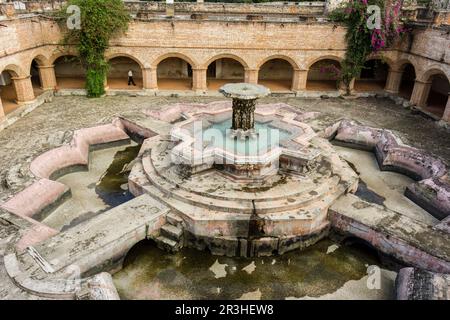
(52, 125)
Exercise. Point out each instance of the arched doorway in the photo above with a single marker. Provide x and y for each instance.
(118, 73)
(36, 78)
(373, 76)
(8, 94)
(277, 75)
(69, 73)
(174, 74)
(407, 81)
(438, 96)
(323, 75)
(222, 71)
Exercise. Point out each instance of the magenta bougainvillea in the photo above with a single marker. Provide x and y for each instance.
(363, 38)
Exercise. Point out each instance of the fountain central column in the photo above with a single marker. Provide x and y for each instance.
(244, 97)
(243, 114)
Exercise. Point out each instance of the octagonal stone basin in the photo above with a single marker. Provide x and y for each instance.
(207, 138)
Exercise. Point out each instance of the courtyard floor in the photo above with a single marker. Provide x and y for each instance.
(52, 124)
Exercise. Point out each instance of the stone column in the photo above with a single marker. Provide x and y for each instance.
(251, 76)
(446, 116)
(243, 114)
(420, 93)
(24, 89)
(351, 86)
(47, 76)
(393, 81)
(199, 80)
(299, 80)
(105, 83)
(2, 112)
(150, 78)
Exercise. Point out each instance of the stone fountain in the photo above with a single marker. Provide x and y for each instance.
(244, 97)
(242, 179)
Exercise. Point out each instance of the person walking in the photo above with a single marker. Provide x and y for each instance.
(130, 78)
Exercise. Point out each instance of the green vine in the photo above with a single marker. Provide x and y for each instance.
(100, 20)
(361, 40)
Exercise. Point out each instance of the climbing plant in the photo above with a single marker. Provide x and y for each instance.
(100, 20)
(362, 39)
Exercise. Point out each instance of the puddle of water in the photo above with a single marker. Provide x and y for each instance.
(95, 191)
(113, 185)
(150, 273)
(383, 187)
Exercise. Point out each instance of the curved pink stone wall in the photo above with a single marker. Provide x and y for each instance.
(77, 152)
(432, 191)
(45, 192)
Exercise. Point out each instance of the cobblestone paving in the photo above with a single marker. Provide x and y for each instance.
(52, 124)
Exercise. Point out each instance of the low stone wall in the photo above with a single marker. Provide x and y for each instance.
(41, 196)
(408, 240)
(313, 7)
(431, 192)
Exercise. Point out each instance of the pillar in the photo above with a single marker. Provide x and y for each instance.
(446, 116)
(299, 80)
(105, 82)
(170, 8)
(251, 76)
(24, 89)
(351, 85)
(150, 78)
(47, 76)
(420, 93)
(393, 81)
(2, 112)
(199, 79)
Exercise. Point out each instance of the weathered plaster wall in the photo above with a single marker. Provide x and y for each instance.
(200, 42)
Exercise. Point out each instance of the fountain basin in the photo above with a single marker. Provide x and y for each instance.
(235, 204)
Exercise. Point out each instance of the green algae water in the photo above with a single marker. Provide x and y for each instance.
(324, 268)
(113, 185)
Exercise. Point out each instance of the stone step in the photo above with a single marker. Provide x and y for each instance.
(174, 219)
(162, 168)
(192, 198)
(172, 232)
(289, 203)
(167, 244)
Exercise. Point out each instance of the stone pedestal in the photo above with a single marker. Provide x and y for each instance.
(299, 80)
(393, 81)
(343, 88)
(2, 112)
(24, 89)
(150, 78)
(243, 114)
(199, 80)
(47, 77)
(251, 76)
(420, 93)
(244, 97)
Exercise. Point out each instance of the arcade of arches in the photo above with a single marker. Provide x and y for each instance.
(428, 90)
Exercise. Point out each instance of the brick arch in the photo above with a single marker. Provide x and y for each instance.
(14, 70)
(326, 57)
(182, 56)
(126, 55)
(390, 62)
(226, 56)
(290, 60)
(400, 64)
(60, 54)
(433, 70)
(41, 60)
